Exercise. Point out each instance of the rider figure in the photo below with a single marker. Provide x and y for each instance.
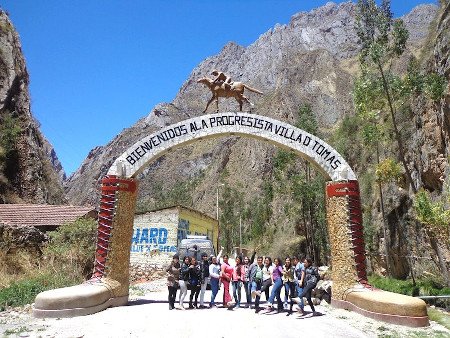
(222, 78)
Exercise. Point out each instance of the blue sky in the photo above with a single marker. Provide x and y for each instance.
(96, 67)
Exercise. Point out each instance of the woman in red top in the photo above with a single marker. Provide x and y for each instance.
(226, 272)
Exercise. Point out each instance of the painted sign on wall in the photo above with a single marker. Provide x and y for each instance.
(149, 239)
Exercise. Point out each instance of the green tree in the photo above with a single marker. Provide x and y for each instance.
(230, 205)
(382, 40)
(435, 216)
(381, 95)
(71, 247)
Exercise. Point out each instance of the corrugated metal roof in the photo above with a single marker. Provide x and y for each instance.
(41, 215)
(178, 206)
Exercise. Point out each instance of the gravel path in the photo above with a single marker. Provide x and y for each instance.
(147, 314)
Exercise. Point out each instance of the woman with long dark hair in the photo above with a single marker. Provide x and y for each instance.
(226, 272)
(173, 271)
(237, 283)
(289, 284)
(310, 277)
(183, 280)
(246, 279)
(214, 274)
(277, 285)
(195, 275)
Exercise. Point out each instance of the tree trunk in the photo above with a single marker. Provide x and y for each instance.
(442, 263)
(398, 137)
(385, 228)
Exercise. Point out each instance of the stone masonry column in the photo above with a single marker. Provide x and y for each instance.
(346, 236)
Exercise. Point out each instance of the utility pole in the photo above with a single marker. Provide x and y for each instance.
(240, 234)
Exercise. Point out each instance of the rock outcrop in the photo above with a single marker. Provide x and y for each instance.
(29, 169)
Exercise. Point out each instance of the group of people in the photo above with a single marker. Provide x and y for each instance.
(298, 277)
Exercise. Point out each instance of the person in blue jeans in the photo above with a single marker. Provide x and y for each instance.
(310, 277)
(255, 275)
(246, 280)
(299, 268)
(277, 285)
(214, 274)
(289, 284)
(237, 283)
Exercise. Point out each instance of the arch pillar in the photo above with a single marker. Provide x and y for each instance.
(109, 283)
(344, 219)
(350, 290)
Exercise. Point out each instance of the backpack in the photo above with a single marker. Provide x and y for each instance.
(259, 274)
(314, 276)
(316, 273)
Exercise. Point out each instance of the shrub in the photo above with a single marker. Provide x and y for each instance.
(388, 170)
(67, 260)
(24, 291)
(435, 86)
(72, 247)
(433, 215)
(422, 287)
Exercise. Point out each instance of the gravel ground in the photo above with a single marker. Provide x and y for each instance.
(147, 314)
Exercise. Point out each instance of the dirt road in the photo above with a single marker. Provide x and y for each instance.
(148, 315)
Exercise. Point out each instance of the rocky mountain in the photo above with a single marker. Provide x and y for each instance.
(310, 60)
(30, 171)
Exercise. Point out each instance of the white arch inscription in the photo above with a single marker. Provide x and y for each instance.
(282, 134)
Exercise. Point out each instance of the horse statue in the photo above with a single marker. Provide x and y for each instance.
(220, 90)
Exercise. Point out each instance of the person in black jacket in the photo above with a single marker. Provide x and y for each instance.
(310, 277)
(173, 277)
(204, 268)
(183, 280)
(195, 276)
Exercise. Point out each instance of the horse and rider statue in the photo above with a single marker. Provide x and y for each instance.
(222, 86)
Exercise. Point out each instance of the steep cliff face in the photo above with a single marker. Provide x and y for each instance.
(310, 60)
(428, 156)
(27, 174)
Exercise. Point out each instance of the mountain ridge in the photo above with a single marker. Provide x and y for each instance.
(277, 61)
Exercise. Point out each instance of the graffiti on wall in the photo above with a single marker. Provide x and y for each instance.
(149, 239)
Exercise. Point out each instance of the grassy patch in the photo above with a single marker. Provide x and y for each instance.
(423, 287)
(137, 291)
(434, 334)
(440, 317)
(16, 330)
(24, 291)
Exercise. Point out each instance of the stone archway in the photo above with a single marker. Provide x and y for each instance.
(109, 284)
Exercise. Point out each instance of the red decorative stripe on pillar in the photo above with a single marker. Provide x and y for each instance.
(110, 186)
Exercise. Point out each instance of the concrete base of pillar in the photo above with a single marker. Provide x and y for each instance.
(78, 300)
(385, 306)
